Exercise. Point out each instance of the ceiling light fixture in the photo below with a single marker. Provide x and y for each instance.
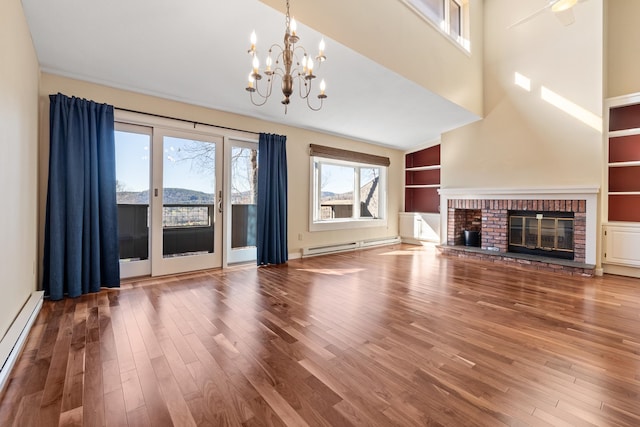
(562, 5)
(287, 66)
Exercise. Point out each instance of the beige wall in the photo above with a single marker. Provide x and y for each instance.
(524, 141)
(394, 36)
(19, 73)
(623, 55)
(298, 141)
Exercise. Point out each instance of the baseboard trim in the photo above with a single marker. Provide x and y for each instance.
(12, 343)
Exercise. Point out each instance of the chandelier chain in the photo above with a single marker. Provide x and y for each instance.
(288, 17)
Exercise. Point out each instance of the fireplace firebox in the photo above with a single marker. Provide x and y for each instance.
(548, 234)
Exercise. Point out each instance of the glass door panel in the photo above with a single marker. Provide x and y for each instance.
(531, 232)
(133, 148)
(241, 165)
(548, 233)
(188, 232)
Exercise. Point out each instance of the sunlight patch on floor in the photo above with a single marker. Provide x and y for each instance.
(424, 249)
(332, 271)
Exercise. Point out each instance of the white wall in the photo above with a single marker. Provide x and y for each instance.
(524, 141)
(298, 141)
(623, 55)
(19, 73)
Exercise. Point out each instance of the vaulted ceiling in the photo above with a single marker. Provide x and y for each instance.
(196, 52)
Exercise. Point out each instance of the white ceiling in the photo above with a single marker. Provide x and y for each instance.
(195, 51)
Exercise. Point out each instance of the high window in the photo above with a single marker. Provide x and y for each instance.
(450, 16)
(346, 193)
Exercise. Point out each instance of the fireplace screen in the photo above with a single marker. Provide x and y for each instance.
(547, 233)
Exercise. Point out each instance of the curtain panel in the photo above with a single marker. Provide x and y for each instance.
(272, 200)
(81, 252)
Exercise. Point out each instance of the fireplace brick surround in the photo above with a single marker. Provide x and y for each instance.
(490, 217)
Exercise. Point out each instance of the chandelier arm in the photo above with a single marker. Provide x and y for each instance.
(257, 90)
(269, 88)
(302, 81)
(311, 107)
(258, 104)
(278, 47)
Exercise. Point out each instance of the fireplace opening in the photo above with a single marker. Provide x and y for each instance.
(542, 233)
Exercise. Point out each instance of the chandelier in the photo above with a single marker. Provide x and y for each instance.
(293, 66)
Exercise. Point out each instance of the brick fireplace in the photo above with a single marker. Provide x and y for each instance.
(487, 211)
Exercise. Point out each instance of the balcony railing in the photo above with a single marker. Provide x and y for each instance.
(187, 229)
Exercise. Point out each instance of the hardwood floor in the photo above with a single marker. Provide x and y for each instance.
(390, 336)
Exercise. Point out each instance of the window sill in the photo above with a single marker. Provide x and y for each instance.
(346, 224)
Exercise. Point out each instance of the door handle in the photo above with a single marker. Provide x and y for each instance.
(220, 201)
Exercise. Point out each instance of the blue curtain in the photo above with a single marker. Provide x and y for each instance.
(272, 199)
(81, 251)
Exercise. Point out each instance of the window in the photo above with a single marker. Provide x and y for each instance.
(346, 194)
(450, 16)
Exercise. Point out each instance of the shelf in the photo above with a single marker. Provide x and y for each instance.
(625, 132)
(624, 193)
(422, 186)
(624, 164)
(422, 168)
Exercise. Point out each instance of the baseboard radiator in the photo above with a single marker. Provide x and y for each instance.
(349, 246)
(15, 338)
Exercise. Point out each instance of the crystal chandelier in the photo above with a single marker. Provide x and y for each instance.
(292, 65)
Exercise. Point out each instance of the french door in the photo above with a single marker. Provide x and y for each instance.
(173, 200)
(241, 187)
(186, 225)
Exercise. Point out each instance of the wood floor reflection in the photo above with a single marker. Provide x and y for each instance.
(390, 336)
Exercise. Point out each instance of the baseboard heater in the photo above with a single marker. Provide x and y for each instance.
(349, 246)
(15, 338)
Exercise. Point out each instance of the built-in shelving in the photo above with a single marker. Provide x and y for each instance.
(422, 180)
(621, 225)
(623, 178)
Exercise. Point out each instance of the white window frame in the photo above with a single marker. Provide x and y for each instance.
(462, 39)
(317, 224)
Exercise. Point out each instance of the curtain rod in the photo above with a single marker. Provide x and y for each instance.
(185, 120)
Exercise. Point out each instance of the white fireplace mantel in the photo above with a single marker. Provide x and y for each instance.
(549, 193)
(587, 193)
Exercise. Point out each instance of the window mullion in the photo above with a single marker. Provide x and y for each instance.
(447, 16)
(318, 189)
(356, 193)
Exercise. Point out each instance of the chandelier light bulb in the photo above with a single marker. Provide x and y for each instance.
(250, 83)
(321, 57)
(310, 66)
(323, 87)
(268, 64)
(252, 49)
(293, 26)
(256, 65)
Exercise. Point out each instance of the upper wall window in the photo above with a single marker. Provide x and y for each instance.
(449, 16)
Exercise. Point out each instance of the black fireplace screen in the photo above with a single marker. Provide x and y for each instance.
(541, 233)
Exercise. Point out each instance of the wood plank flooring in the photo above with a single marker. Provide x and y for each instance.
(390, 336)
